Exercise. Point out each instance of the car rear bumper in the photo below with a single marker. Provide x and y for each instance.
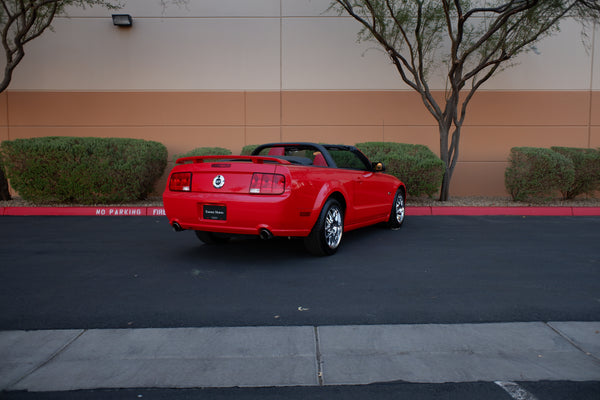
(246, 214)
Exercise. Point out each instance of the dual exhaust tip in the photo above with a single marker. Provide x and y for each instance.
(263, 233)
(177, 227)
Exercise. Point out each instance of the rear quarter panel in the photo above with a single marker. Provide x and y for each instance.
(312, 186)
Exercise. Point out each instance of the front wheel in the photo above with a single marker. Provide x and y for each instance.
(397, 214)
(326, 235)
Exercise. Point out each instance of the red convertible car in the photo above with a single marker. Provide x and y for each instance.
(307, 190)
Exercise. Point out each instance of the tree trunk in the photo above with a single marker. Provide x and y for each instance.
(445, 190)
(448, 154)
(4, 192)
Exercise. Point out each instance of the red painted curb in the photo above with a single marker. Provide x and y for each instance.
(155, 212)
(526, 211)
(412, 211)
(418, 211)
(586, 211)
(77, 211)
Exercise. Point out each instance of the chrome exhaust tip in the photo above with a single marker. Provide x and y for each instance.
(177, 227)
(265, 234)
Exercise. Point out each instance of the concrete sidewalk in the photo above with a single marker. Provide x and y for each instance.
(304, 355)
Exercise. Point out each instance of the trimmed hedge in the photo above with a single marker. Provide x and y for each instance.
(204, 151)
(587, 170)
(537, 174)
(414, 164)
(247, 150)
(83, 170)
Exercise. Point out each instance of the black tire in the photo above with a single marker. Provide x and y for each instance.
(326, 235)
(211, 237)
(397, 213)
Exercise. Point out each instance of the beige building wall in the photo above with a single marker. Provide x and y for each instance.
(236, 72)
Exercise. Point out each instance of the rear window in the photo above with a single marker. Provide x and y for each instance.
(295, 155)
(344, 157)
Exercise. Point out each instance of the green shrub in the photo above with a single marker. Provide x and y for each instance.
(204, 151)
(247, 150)
(83, 170)
(587, 170)
(414, 164)
(536, 174)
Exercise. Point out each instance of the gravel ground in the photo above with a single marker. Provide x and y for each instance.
(469, 201)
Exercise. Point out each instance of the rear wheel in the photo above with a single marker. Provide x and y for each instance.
(326, 235)
(397, 213)
(212, 237)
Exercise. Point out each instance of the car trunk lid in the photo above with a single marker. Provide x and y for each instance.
(233, 174)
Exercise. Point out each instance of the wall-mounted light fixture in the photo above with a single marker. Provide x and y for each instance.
(124, 20)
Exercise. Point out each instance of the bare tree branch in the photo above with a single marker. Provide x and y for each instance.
(22, 21)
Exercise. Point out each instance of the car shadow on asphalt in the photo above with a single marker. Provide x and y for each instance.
(245, 248)
(278, 251)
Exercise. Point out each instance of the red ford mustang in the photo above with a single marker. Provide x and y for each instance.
(283, 189)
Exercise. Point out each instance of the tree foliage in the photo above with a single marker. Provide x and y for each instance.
(474, 39)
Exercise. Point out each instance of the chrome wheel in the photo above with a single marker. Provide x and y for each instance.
(326, 235)
(397, 212)
(399, 208)
(334, 227)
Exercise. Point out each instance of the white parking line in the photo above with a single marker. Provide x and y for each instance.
(515, 391)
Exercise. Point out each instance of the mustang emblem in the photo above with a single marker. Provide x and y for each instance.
(219, 181)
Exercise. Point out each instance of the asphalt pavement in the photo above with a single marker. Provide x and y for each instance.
(135, 272)
(90, 304)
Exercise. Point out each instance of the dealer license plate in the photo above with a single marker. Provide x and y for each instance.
(215, 212)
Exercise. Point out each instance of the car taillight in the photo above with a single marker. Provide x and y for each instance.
(267, 183)
(181, 182)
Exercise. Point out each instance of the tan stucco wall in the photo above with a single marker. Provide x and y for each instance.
(3, 117)
(235, 72)
(496, 121)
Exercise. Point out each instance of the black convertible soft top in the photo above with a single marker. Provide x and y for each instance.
(322, 148)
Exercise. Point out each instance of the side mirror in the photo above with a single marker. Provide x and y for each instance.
(378, 167)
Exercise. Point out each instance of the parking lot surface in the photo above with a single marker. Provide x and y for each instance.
(444, 299)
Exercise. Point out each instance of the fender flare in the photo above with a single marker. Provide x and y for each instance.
(328, 190)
